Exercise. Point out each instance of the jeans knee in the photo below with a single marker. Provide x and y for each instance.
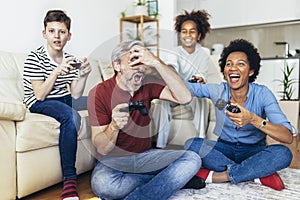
(99, 190)
(287, 154)
(193, 144)
(72, 117)
(104, 190)
(194, 159)
(284, 155)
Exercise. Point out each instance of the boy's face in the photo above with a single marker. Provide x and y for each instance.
(57, 35)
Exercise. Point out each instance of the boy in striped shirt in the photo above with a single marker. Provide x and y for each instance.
(51, 84)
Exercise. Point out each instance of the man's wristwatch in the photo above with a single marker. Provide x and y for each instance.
(263, 123)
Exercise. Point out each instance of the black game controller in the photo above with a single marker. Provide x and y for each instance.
(233, 109)
(193, 80)
(75, 63)
(221, 104)
(136, 105)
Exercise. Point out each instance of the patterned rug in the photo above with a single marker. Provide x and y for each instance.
(246, 190)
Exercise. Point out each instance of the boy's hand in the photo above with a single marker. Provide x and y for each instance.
(64, 67)
(85, 68)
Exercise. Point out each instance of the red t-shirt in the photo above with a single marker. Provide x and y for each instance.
(135, 136)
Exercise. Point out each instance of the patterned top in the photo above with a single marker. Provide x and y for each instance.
(38, 66)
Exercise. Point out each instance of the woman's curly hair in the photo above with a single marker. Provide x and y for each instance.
(200, 18)
(248, 48)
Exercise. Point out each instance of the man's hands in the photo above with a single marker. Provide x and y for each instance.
(119, 118)
(142, 59)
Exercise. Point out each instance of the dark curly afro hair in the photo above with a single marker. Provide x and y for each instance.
(248, 48)
(200, 18)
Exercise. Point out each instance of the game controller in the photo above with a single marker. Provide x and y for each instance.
(75, 63)
(136, 105)
(221, 104)
(233, 109)
(193, 80)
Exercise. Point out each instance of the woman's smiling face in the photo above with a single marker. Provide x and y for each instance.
(237, 70)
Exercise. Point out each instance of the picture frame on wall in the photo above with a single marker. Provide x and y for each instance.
(152, 8)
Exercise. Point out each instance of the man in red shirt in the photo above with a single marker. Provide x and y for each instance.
(128, 168)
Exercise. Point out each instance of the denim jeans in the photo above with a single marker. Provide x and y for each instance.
(70, 121)
(243, 162)
(154, 174)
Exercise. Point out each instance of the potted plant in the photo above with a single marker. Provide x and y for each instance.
(141, 7)
(288, 103)
(287, 82)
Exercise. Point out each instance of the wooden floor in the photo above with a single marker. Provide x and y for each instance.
(53, 193)
(85, 191)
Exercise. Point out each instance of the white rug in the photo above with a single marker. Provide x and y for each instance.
(246, 190)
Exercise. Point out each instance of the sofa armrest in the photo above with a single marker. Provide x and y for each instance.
(12, 110)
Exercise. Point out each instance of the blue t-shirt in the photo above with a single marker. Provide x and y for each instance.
(260, 101)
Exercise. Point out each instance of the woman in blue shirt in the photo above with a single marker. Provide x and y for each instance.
(240, 153)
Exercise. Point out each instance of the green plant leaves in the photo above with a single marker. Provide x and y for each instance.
(287, 82)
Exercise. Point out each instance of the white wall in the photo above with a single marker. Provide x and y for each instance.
(228, 13)
(93, 21)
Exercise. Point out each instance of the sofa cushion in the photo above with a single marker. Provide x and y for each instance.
(182, 112)
(11, 86)
(38, 131)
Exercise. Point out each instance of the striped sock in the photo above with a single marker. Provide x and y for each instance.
(69, 189)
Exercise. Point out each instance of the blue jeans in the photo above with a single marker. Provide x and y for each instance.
(70, 121)
(154, 174)
(243, 162)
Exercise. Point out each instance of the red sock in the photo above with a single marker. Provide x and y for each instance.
(203, 173)
(69, 189)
